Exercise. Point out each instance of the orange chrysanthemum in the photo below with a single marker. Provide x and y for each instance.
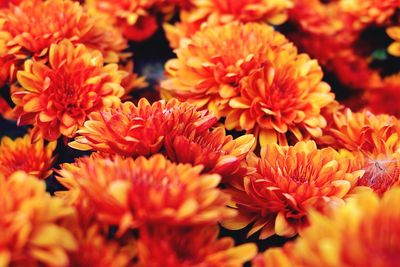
(394, 33)
(364, 232)
(189, 247)
(57, 98)
(361, 131)
(252, 75)
(373, 142)
(29, 29)
(220, 12)
(30, 221)
(130, 193)
(177, 129)
(370, 11)
(23, 154)
(285, 183)
(136, 19)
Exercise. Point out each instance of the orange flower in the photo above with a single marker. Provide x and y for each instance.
(28, 30)
(178, 129)
(394, 33)
(362, 131)
(364, 232)
(253, 76)
(57, 98)
(136, 19)
(128, 130)
(187, 247)
(370, 11)
(286, 183)
(373, 142)
(217, 152)
(26, 155)
(130, 193)
(221, 12)
(30, 221)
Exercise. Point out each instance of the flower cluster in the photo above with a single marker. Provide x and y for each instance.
(199, 133)
(343, 36)
(367, 225)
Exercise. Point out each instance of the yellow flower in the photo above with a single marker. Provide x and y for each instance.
(364, 232)
(32, 234)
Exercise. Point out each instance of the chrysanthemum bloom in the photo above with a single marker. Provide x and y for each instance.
(129, 193)
(394, 33)
(25, 154)
(216, 151)
(189, 247)
(130, 130)
(364, 232)
(372, 142)
(363, 131)
(370, 11)
(29, 29)
(221, 12)
(57, 98)
(30, 221)
(252, 75)
(286, 183)
(177, 129)
(136, 19)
